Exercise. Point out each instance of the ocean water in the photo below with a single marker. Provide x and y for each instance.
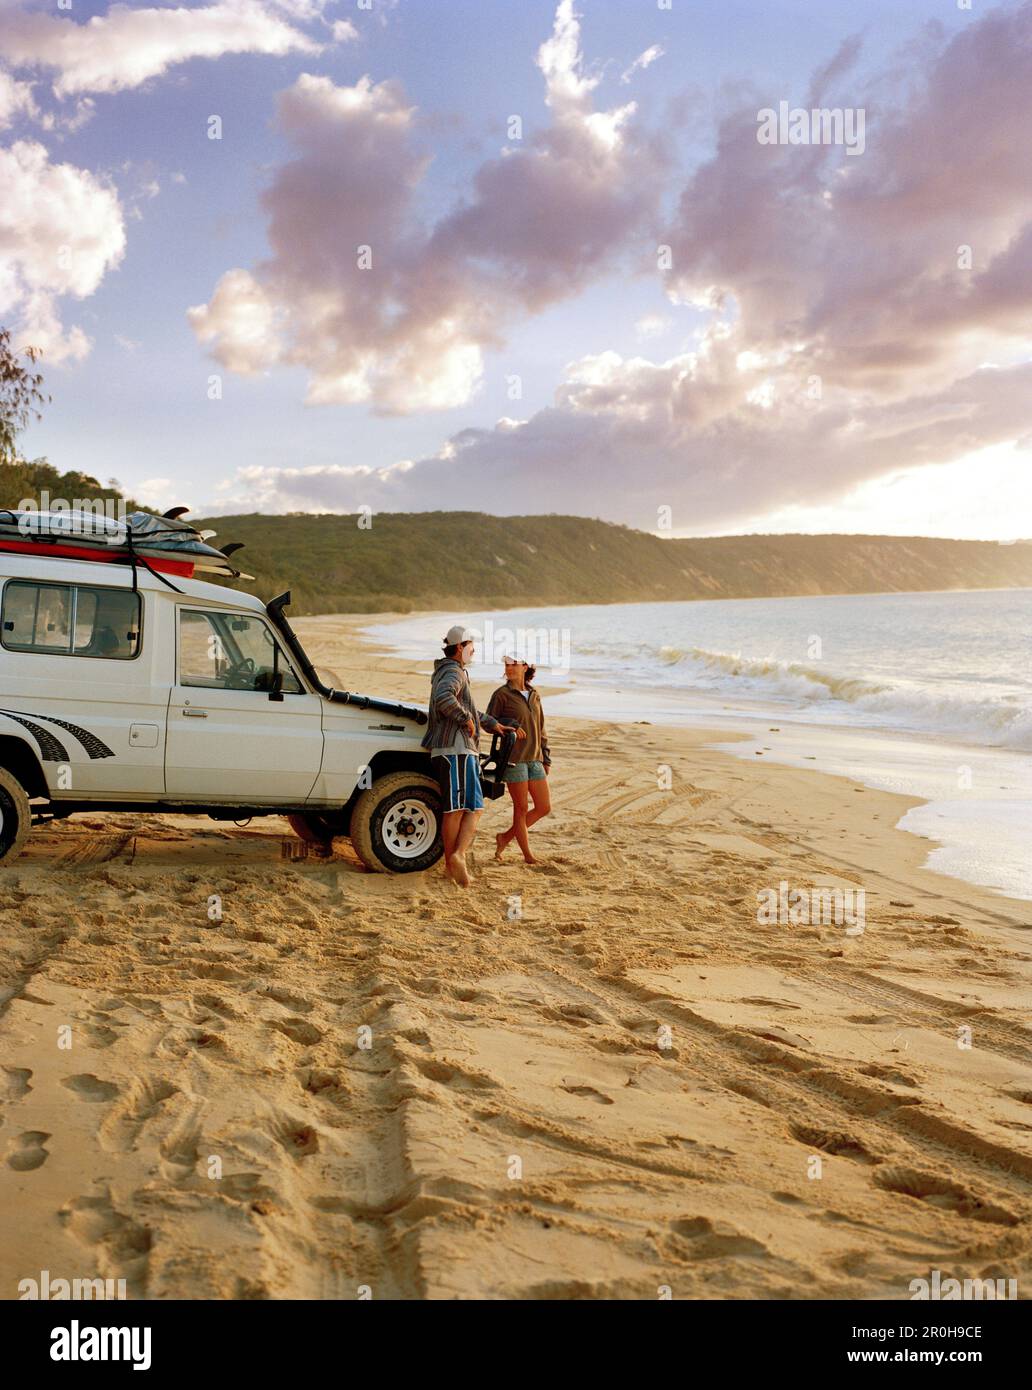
(926, 694)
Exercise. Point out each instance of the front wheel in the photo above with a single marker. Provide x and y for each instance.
(15, 815)
(396, 824)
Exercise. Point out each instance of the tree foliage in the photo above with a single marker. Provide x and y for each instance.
(21, 394)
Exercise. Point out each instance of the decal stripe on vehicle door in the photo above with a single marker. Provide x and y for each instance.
(94, 746)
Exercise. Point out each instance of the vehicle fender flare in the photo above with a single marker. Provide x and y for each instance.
(21, 759)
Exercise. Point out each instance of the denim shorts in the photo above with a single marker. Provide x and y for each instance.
(524, 772)
(459, 777)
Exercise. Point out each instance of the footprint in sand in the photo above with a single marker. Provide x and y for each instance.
(715, 1240)
(94, 1221)
(208, 1004)
(90, 1087)
(180, 1149)
(296, 1002)
(120, 1127)
(324, 1083)
(98, 1035)
(14, 1083)
(942, 1192)
(26, 1151)
(299, 1140)
(299, 1030)
(835, 1142)
(448, 1074)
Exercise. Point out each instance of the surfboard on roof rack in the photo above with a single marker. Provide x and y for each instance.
(167, 543)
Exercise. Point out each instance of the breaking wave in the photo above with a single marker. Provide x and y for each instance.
(1004, 721)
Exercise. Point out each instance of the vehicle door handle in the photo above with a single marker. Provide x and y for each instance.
(195, 713)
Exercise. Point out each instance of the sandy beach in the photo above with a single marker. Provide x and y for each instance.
(595, 1077)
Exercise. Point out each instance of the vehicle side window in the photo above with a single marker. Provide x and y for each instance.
(231, 651)
(70, 620)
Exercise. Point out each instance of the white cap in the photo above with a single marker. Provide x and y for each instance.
(519, 660)
(456, 635)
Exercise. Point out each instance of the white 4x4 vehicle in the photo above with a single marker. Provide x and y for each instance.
(121, 690)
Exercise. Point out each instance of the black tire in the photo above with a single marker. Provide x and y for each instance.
(15, 816)
(319, 827)
(396, 824)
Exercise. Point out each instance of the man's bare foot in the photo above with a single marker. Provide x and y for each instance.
(529, 859)
(457, 869)
(500, 848)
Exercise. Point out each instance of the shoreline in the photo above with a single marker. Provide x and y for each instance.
(746, 726)
(588, 1078)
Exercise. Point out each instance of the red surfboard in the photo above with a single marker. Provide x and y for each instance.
(56, 550)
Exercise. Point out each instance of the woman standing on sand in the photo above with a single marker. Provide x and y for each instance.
(518, 703)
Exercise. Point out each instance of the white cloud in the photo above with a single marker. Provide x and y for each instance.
(643, 60)
(866, 286)
(559, 59)
(16, 100)
(160, 492)
(407, 331)
(127, 46)
(61, 230)
(241, 319)
(842, 341)
(626, 436)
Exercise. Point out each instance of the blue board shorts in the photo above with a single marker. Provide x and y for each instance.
(459, 777)
(525, 772)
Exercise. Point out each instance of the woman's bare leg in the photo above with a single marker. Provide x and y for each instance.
(517, 794)
(518, 830)
(504, 837)
(542, 800)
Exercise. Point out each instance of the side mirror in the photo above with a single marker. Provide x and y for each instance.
(276, 686)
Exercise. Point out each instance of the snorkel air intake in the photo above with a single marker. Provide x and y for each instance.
(278, 618)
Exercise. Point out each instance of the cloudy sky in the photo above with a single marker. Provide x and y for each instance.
(529, 257)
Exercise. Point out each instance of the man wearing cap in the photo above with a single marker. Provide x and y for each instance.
(453, 738)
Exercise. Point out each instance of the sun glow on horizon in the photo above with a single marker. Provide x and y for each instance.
(960, 500)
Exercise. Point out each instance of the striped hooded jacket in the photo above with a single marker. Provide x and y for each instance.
(451, 704)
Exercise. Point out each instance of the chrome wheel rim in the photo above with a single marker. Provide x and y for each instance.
(409, 829)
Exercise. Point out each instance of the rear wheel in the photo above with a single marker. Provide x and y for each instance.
(15, 816)
(396, 824)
